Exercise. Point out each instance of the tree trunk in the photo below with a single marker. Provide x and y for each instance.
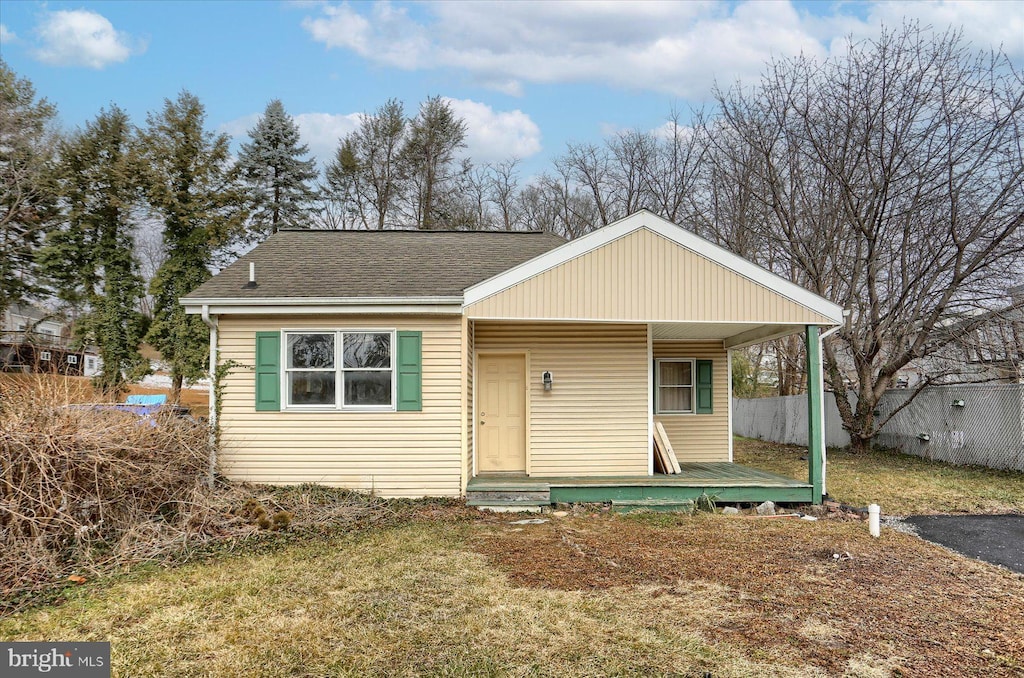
(176, 381)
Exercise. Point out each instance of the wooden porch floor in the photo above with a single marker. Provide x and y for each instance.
(722, 481)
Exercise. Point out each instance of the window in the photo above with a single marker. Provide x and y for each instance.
(339, 369)
(72, 360)
(675, 386)
(44, 355)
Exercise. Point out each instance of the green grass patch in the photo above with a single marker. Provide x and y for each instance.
(901, 484)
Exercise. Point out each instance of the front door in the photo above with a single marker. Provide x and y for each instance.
(501, 413)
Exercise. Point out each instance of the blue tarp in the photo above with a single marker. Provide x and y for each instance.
(146, 400)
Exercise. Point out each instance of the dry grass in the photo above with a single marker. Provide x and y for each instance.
(91, 487)
(85, 491)
(901, 484)
(578, 596)
(80, 390)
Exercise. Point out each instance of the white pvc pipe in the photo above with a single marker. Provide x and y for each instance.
(212, 420)
(874, 520)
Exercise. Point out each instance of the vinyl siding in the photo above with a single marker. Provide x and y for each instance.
(393, 454)
(594, 420)
(700, 437)
(468, 406)
(643, 277)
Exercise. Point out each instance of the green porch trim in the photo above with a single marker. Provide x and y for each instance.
(680, 493)
(815, 426)
(724, 482)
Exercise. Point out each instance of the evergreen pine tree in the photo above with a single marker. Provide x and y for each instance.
(27, 191)
(90, 257)
(272, 165)
(188, 187)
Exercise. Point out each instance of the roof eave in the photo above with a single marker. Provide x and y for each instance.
(321, 305)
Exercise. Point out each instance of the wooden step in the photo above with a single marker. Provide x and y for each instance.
(510, 495)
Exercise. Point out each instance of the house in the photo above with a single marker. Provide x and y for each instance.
(33, 339)
(494, 363)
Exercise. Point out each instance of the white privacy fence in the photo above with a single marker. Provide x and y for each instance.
(968, 424)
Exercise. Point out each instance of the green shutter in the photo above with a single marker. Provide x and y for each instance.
(268, 371)
(704, 399)
(410, 372)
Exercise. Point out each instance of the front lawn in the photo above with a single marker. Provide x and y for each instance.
(901, 484)
(587, 594)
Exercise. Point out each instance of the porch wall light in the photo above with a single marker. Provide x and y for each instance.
(547, 379)
(958, 403)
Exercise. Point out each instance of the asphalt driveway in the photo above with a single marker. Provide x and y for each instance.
(994, 539)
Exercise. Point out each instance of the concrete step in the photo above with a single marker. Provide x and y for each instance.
(667, 505)
(507, 506)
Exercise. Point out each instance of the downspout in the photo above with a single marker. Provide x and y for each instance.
(821, 387)
(212, 419)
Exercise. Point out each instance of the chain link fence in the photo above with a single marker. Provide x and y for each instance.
(980, 424)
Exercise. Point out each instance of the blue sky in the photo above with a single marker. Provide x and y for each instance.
(527, 77)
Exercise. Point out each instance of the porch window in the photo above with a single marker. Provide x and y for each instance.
(339, 370)
(675, 386)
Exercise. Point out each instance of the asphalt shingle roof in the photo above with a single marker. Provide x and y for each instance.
(342, 264)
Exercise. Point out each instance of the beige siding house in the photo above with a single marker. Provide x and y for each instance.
(452, 363)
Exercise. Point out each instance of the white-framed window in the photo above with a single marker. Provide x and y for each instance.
(90, 363)
(72, 360)
(44, 355)
(674, 381)
(339, 369)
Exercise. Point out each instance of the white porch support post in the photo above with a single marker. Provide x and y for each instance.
(650, 399)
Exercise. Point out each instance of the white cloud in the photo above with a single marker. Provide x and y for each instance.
(492, 136)
(7, 36)
(678, 48)
(82, 38)
(985, 24)
(239, 127)
(322, 131)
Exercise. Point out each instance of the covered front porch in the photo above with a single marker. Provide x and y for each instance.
(722, 482)
(579, 359)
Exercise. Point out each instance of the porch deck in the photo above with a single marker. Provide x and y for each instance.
(722, 481)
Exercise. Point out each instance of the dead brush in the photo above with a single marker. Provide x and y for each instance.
(82, 486)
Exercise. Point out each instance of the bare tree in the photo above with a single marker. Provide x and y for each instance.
(504, 186)
(890, 181)
(435, 134)
(367, 175)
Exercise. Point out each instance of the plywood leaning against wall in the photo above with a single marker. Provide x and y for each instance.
(700, 437)
(389, 453)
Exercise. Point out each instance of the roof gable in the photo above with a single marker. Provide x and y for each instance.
(644, 268)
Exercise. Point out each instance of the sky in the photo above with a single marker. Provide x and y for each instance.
(527, 77)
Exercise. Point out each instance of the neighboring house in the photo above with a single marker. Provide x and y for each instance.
(977, 347)
(439, 363)
(33, 339)
(28, 323)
